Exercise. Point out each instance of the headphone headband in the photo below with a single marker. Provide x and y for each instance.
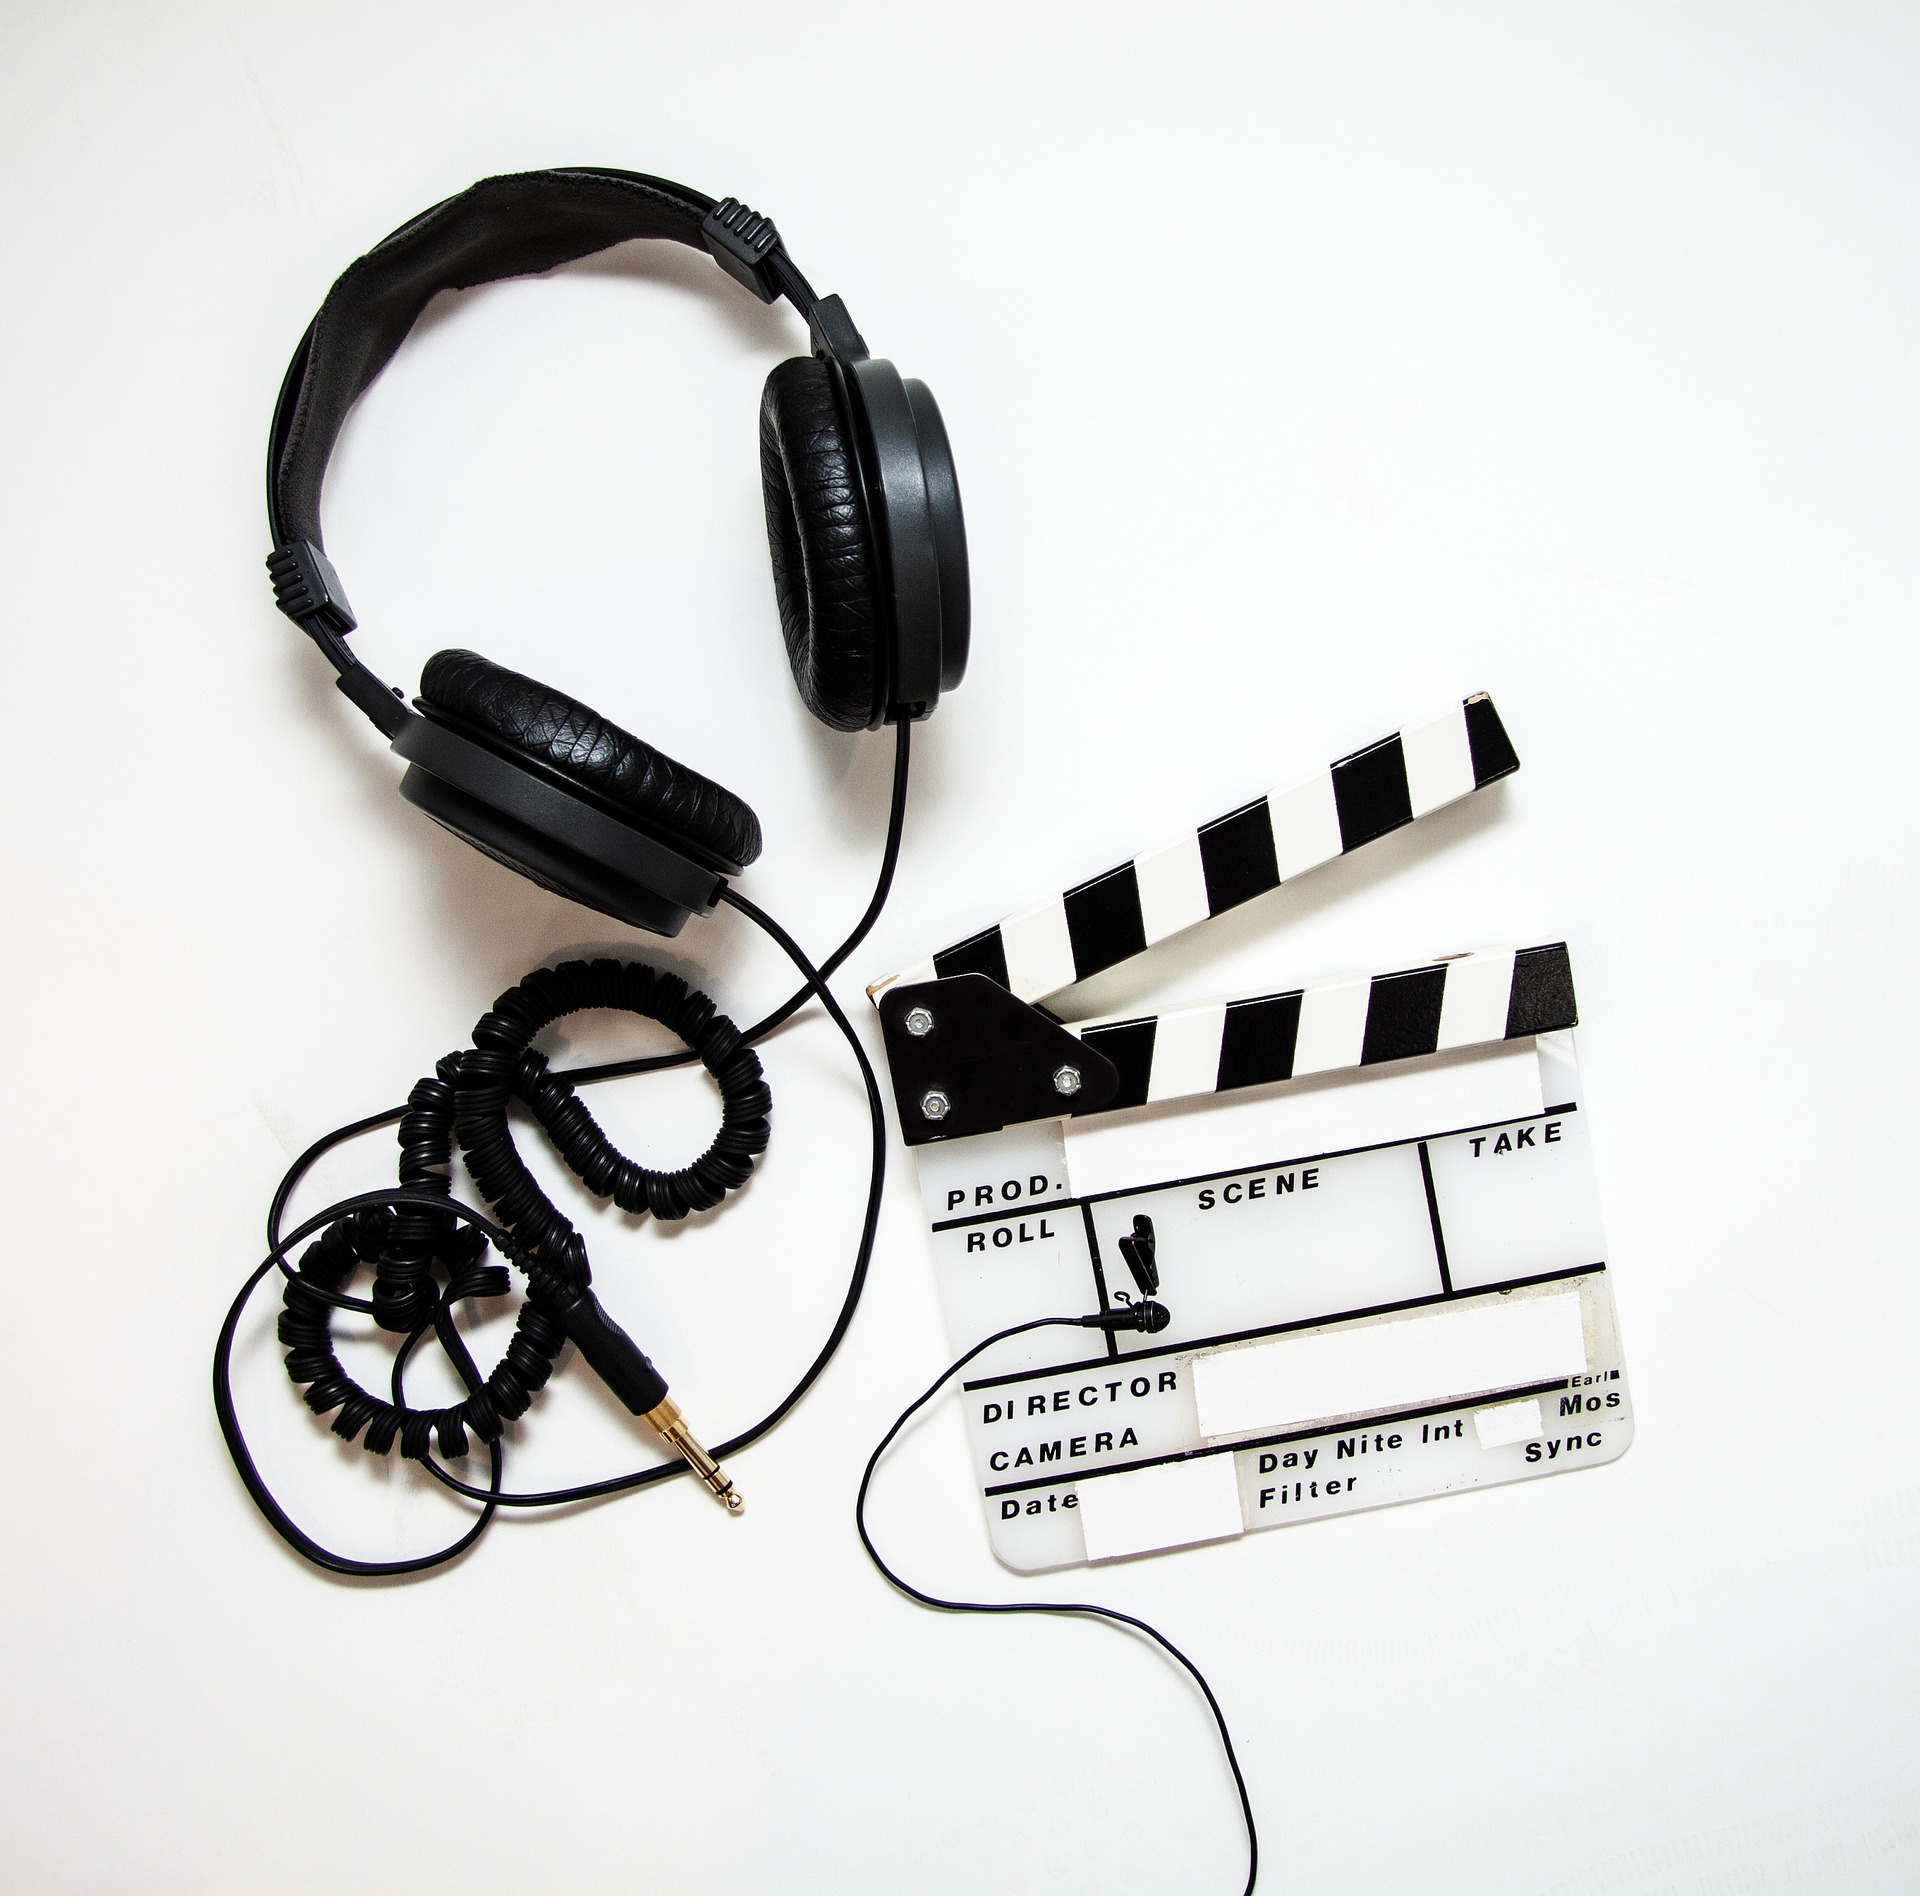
(515, 225)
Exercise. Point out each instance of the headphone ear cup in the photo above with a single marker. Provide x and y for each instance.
(562, 738)
(826, 563)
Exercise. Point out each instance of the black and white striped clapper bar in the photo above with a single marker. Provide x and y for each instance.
(971, 1051)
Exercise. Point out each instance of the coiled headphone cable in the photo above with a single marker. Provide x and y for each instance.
(429, 1252)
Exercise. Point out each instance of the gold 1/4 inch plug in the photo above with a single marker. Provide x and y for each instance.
(665, 1416)
(619, 1363)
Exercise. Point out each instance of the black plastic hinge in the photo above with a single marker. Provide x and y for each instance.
(967, 1057)
(382, 704)
(832, 333)
(305, 586)
(742, 242)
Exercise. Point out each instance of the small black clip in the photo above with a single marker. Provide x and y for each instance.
(1138, 1250)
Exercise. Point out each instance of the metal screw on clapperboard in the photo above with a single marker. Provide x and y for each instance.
(934, 1104)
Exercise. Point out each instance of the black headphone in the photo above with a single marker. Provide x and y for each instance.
(863, 521)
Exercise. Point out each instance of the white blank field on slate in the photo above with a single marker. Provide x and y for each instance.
(1431, 1358)
(1508, 1423)
(1173, 1505)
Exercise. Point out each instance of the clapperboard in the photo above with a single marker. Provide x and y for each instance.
(1368, 1202)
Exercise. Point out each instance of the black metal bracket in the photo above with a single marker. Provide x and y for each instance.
(967, 1057)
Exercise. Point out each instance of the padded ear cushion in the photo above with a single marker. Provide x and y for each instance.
(826, 567)
(594, 754)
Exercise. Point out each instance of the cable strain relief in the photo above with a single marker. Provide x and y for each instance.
(1146, 1315)
(611, 1353)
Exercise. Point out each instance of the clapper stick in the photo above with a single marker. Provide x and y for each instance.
(1128, 909)
(1357, 1021)
(964, 1061)
(966, 1057)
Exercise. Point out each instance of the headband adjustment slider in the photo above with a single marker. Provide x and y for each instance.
(305, 586)
(743, 243)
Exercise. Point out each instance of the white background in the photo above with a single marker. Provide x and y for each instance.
(1307, 366)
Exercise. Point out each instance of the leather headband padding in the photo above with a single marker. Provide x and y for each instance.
(514, 225)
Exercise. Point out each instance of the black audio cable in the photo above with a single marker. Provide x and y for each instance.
(1145, 1315)
(418, 1235)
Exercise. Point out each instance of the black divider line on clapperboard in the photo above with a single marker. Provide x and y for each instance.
(1353, 1426)
(1433, 1218)
(1099, 1277)
(1237, 1171)
(1296, 1323)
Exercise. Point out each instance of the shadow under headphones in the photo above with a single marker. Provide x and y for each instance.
(863, 521)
